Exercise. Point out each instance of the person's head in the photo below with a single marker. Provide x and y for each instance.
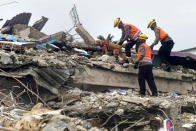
(152, 24)
(118, 23)
(142, 38)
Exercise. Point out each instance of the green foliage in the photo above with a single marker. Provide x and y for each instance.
(109, 37)
(100, 37)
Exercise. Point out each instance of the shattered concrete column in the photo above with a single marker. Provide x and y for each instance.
(40, 23)
(88, 39)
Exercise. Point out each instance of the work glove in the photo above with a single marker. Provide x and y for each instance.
(135, 65)
(152, 46)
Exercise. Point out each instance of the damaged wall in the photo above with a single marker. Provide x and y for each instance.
(110, 75)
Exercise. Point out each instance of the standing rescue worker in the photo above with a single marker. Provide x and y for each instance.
(129, 33)
(166, 43)
(145, 66)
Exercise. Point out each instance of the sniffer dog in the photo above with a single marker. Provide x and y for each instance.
(111, 47)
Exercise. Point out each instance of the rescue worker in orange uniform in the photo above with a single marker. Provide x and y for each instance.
(114, 48)
(129, 34)
(166, 43)
(145, 66)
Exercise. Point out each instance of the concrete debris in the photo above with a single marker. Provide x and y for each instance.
(16, 46)
(42, 119)
(80, 88)
(5, 30)
(40, 23)
(56, 74)
(22, 18)
(107, 59)
(26, 32)
(88, 39)
(6, 58)
(60, 37)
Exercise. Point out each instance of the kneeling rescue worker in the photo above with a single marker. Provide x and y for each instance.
(145, 66)
(129, 33)
(114, 48)
(166, 43)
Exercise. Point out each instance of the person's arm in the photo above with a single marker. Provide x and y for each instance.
(125, 35)
(120, 41)
(157, 35)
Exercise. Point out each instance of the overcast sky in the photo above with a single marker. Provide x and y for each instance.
(176, 17)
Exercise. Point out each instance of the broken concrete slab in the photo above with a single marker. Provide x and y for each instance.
(38, 25)
(48, 78)
(49, 72)
(59, 36)
(58, 39)
(88, 39)
(120, 77)
(16, 46)
(26, 32)
(22, 18)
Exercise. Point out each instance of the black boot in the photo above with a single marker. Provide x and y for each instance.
(168, 68)
(155, 94)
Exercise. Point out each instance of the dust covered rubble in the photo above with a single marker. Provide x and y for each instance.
(43, 119)
(79, 105)
(102, 110)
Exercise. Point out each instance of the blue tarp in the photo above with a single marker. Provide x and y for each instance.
(84, 54)
(15, 39)
(44, 44)
(11, 37)
(22, 41)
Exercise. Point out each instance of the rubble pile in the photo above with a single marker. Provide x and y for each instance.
(110, 108)
(106, 109)
(80, 90)
(40, 118)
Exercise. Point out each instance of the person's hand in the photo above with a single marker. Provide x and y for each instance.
(135, 65)
(120, 43)
(152, 46)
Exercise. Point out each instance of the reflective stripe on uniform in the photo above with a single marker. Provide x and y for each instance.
(146, 60)
(136, 35)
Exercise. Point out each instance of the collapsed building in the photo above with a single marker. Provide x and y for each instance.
(80, 90)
